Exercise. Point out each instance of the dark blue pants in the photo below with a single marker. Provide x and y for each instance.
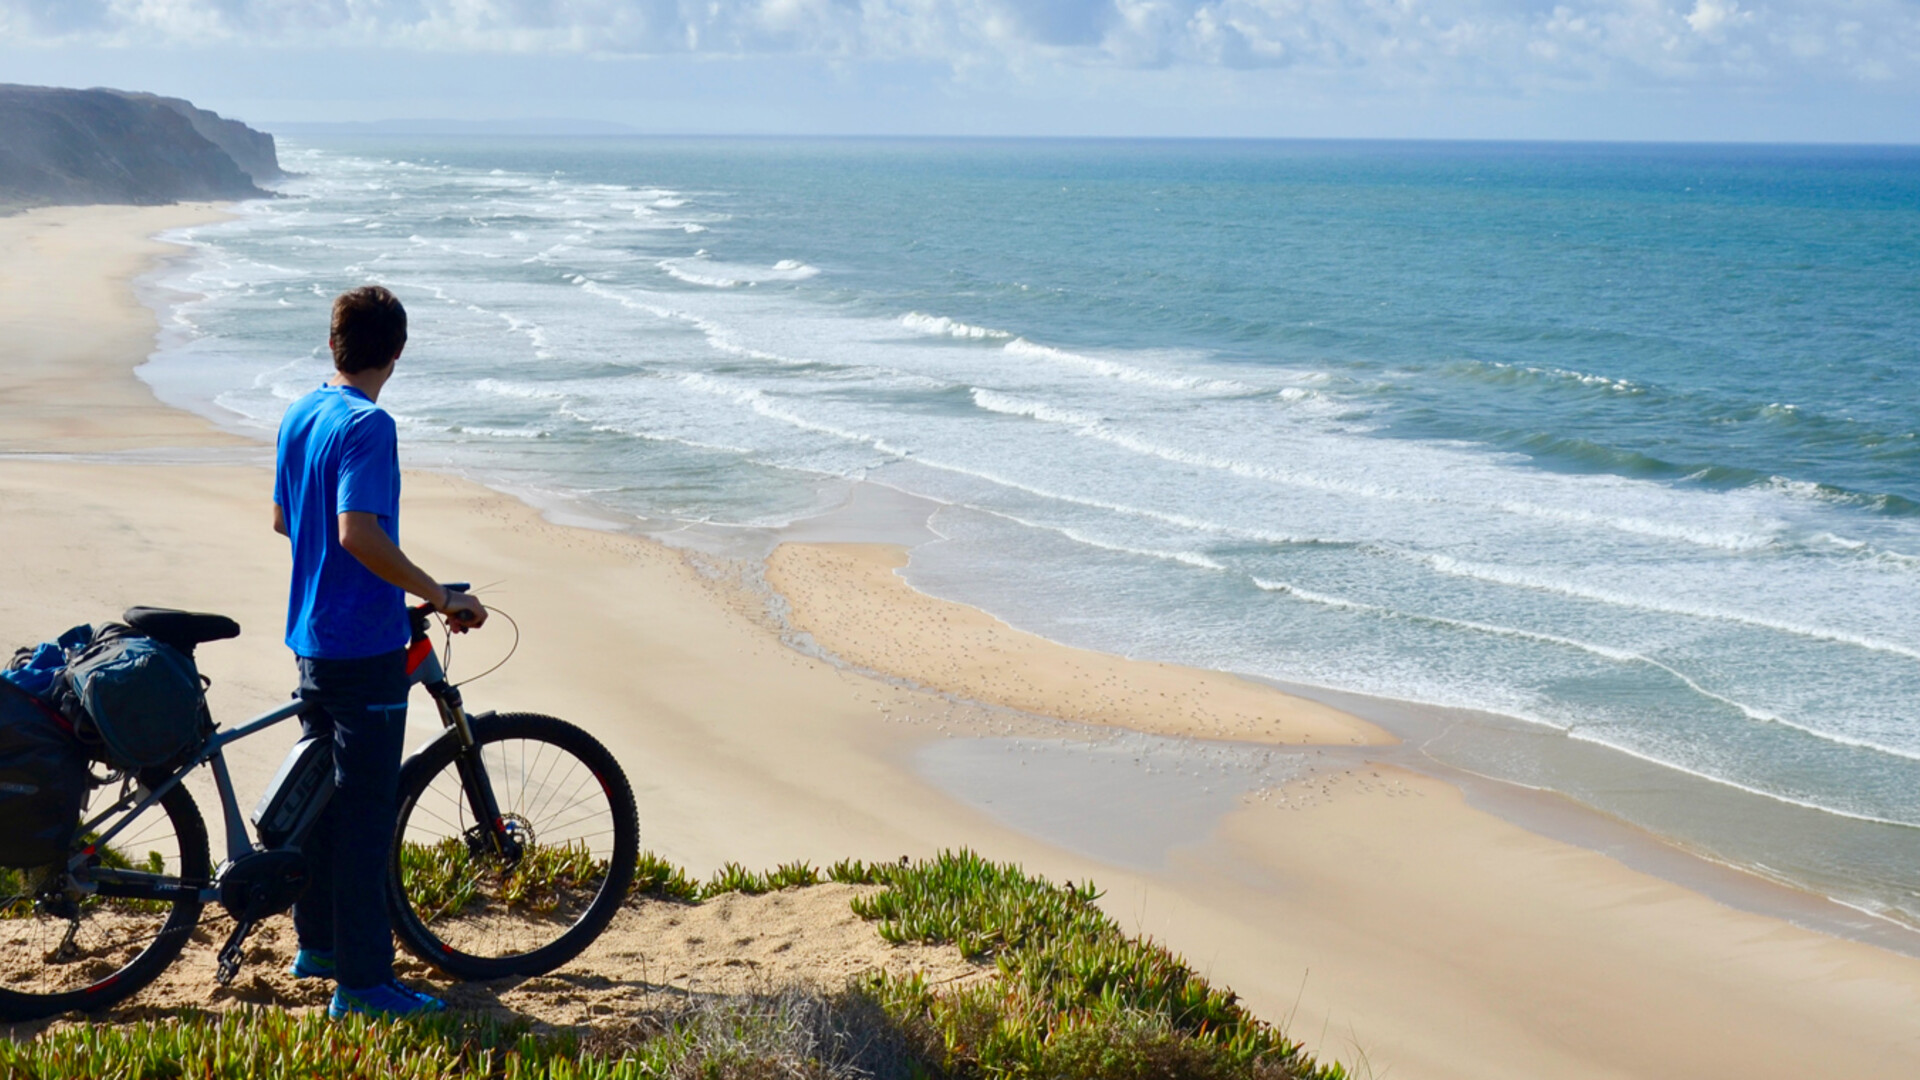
(362, 704)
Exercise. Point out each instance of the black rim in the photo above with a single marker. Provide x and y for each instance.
(62, 948)
(526, 897)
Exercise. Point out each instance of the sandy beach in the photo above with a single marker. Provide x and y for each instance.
(1375, 909)
(849, 598)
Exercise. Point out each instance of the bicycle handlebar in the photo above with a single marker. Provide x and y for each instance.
(450, 586)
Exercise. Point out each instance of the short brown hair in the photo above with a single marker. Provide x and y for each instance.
(369, 327)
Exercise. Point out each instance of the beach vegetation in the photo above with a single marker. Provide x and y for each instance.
(445, 878)
(1072, 994)
(796, 1034)
(853, 872)
(1062, 993)
(18, 884)
(736, 878)
(659, 879)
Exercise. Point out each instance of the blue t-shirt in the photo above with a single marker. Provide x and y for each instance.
(338, 453)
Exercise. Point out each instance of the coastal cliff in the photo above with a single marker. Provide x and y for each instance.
(252, 150)
(70, 147)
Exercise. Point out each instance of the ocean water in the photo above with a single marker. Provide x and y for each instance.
(1619, 444)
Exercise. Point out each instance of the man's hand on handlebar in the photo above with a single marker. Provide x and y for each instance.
(463, 611)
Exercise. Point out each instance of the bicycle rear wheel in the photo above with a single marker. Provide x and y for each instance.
(480, 901)
(63, 948)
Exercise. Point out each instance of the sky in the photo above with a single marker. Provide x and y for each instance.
(1694, 70)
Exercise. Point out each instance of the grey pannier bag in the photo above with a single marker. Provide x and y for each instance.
(136, 701)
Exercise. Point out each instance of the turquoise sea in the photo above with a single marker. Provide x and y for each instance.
(1612, 452)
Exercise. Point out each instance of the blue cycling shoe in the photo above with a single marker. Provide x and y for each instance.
(312, 964)
(389, 999)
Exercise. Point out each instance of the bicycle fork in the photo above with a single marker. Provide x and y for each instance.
(491, 833)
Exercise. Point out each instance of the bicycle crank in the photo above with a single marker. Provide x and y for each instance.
(229, 965)
(253, 887)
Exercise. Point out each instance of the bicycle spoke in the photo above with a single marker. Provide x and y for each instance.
(482, 904)
(57, 938)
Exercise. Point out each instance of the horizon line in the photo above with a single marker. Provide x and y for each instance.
(480, 127)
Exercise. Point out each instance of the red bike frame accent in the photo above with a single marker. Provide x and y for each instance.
(417, 654)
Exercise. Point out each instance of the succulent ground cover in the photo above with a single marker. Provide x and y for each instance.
(1063, 993)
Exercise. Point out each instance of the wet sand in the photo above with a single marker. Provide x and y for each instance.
(1382, 914)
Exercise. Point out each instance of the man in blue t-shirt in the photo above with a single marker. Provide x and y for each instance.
(336, 496)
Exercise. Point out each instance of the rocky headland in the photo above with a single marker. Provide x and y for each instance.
(76, 147)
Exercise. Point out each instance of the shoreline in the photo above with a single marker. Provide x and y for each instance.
(61, 391)
(851, 598)
(1445, 940)
(856, 628)
(1579, 772)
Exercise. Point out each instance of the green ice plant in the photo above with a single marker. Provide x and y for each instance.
(1063, 994)
(445, 878)
(1072, 995)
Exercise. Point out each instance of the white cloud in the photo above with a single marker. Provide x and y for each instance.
(1710, 16)
(1502, 45)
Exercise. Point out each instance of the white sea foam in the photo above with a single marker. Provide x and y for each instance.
(1185, 558)
(701, 269)
(1605, 652)
(993, 401)
(941, 326)
(1618, 598)
(717, 336)
(765, 406)
(1322, 599)
(1606, 382)
(632, 431)
(1094, 428)
(499, 432)
(1585, 735)
(1625, 656)
(1124, 372)
(1179, 520)
(523, 391)
(1669, 530)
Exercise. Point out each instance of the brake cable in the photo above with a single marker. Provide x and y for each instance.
(446, 635)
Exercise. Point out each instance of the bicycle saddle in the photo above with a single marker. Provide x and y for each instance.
(180, 629)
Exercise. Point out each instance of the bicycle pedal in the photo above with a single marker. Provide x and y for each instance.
(229, 963)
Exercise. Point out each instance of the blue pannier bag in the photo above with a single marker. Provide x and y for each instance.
(137, 701)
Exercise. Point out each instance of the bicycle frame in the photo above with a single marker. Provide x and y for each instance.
(423, 669)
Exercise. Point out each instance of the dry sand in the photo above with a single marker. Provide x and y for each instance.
(73, 336)
(653, 955)
(1386, 918)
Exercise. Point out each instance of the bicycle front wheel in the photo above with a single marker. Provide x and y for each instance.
(525, 893)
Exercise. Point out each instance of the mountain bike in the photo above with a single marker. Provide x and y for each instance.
(514, 846)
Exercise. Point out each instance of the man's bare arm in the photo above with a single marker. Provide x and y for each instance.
(364, 539)
(280, 520)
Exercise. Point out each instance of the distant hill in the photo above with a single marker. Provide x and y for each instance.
(71, 147)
